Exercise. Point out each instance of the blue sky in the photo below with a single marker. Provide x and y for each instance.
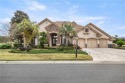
(109, 15)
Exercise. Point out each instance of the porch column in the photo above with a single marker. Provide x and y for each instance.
(58, 39)
(85, 42)
(36, 40)
(98, 42)
(49, 39)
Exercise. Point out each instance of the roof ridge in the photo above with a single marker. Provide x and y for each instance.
(99, 29)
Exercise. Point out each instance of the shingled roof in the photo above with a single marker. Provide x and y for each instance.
(75, 25)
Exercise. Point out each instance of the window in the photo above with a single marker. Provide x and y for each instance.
(86, 30)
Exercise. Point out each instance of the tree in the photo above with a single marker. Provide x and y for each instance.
(29, 31)
(116, 36)
(18, 17)
(43, 39)
(69, 31)
(120, 42)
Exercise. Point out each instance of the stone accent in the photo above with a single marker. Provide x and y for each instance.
(52, 28)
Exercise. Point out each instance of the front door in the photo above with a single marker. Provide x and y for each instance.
(54, 39)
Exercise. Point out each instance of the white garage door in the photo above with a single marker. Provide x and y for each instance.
(91, 43)
(81, 43)
(103, 43)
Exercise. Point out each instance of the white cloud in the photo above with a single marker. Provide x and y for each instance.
(100, 23)
(72, 10)
(121, 27)
(5, 20)
(87, 19)
(35, 6)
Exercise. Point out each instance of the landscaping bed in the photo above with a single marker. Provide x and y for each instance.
(123, 48)
(44, 54)
(39, 51)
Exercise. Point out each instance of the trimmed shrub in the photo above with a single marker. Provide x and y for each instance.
(28, 48)
(22, 48)
(25, 49)
(5, 46)
(62, 48)
(18, 45)
(70, 44)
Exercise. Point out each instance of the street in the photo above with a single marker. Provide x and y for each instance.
(62, 73)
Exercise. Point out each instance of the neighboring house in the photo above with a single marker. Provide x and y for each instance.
(89, 36)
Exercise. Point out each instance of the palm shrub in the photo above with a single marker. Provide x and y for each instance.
(68, 31)
(43, 39)
(29, 31)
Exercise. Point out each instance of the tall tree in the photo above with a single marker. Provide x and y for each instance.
(29, 31)
(17, 18)
(68, 31)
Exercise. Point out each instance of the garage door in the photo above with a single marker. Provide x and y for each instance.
(103, 43)
(81, 43)
(91, 43)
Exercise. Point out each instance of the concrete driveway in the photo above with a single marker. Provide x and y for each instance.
(106, 54)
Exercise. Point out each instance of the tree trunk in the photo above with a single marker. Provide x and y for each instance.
(24, 41)
(67, 41)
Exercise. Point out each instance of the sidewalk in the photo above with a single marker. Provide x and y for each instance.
(62, 62)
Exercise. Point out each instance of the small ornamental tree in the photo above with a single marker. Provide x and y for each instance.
(120, 42)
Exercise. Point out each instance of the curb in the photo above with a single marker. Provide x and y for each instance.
(62, 62)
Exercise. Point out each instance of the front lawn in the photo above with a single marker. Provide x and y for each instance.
(5, 55)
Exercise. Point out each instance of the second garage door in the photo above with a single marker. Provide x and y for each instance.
(91, 43)
(81, 43)
(103, 43)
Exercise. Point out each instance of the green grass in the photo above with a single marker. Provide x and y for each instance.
(2, 43)
(5, 55)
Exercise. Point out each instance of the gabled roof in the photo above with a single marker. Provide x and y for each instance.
(51, 24)
(99, 29)
(60, 23)
(46, 19)
(76, 26)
